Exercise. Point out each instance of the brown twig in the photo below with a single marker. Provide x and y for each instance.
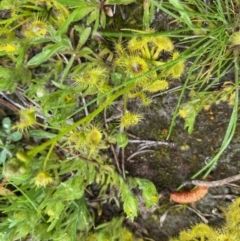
(8, 105)
(111, 145)
(115, 157)
(214, 183)
(147, 143)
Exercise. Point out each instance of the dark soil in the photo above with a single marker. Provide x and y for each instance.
(168, 166)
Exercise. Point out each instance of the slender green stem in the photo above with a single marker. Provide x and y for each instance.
(175, 114)
(67, 68)
(230, 130)
(125, 99)
(48, 155)
(233, 121)
(27, 198)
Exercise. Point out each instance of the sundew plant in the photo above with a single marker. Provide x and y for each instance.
(73, 81)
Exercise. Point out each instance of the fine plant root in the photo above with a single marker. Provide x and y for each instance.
(147, 143)
(138, 153)
(199, 214)
(143, 144)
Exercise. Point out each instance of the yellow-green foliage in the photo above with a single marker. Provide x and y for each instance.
(203, 232)
(125, 235)
(113, 231)
(144, 54)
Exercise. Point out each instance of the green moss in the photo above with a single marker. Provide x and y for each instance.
(203, 232)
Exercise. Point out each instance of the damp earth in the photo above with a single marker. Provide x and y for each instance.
(171, 163)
